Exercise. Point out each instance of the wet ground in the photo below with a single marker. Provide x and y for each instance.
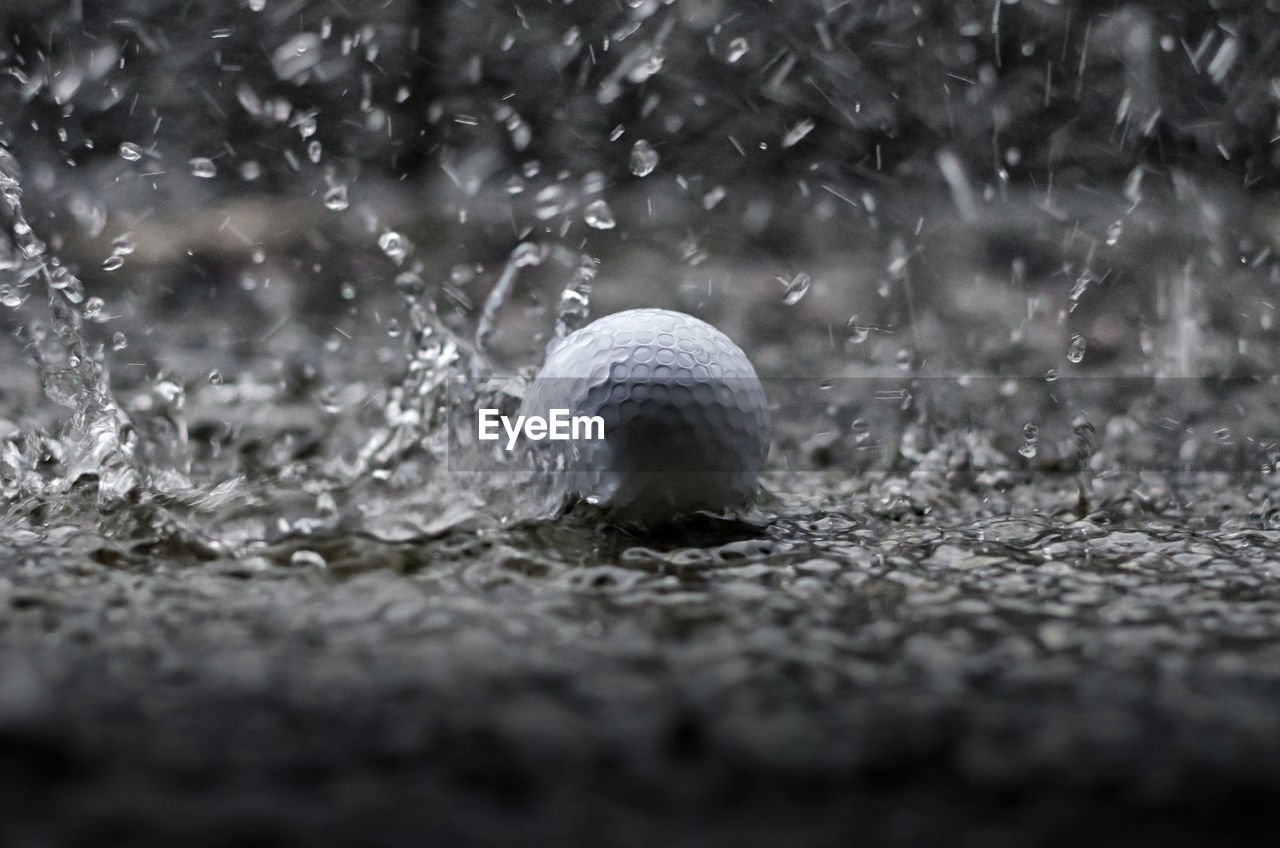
(1000, 674)
(1008, 276)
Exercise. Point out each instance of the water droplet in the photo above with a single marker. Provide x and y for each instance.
(393, 328)
(526, 254)
(249, 99)
(119, 341)
(10, 298)
(308, 559)
(692, 253)
(1114, 232)
(215, 377)
(130, 151)
(550, 202)
(250, 170)
(202, 167)
(295, 57)
(123, 245)
(1030, 436)
(71, 287)
(796, 288)
(712, 198)
(860, 429)
(858, 333)
(306, 124)
(737, 49)
(1075, 351)
(797, 132)
(1051, 375)
(347, 291)
(329, 397)
(113, 263)
(336, 198)
(93, 309)
(598, 215)
(593, 182)
(643, 158)
(257, 5)
(648, 62)
(411, 285)
(393, 245)
(314, 151)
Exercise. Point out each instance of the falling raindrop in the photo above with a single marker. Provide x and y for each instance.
(202, 167)
(643, 158)
(1114, 232)
(737, 49)
(593, 182)
(551, 201)
(119, 341)
(526, 254)
(598, 215)
(113, 263)
(314, 151)
(1030, 436)
(215, 377)
(797, 132)
(647, 63)
(1075, 351)
(10, 298)
(130, 151)
(336, 198)
(796, 288)
(295, 57)
(860, 429)
(393, 245)
(712, 198)
(249, 99)
(306, 124)
(411, 285)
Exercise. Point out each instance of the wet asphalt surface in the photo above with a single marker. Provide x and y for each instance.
(817, 677)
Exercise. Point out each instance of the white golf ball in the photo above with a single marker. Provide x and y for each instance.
(686, 424)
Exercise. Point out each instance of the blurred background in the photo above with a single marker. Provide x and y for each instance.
(1008, 269)
(1017, 189)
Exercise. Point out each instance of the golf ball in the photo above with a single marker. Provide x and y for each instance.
(685, 422)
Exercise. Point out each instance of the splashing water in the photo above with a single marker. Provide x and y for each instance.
(97, 443)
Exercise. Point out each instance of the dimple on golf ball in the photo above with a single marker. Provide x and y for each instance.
(686, 424)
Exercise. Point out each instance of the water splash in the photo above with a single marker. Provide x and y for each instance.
(644, 159)
(97, 444)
